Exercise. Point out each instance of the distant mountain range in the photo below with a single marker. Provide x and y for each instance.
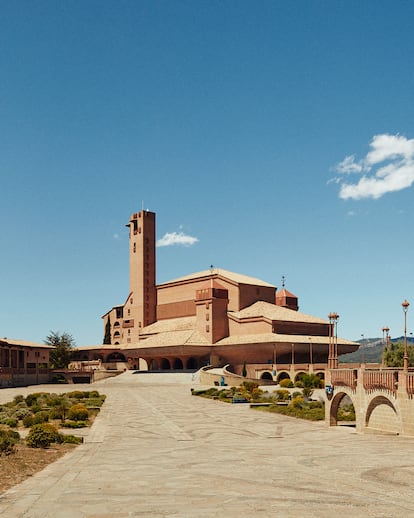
(370, 350)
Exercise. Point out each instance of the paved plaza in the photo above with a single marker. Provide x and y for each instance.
(157, 451)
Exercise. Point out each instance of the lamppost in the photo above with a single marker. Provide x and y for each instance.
(310, 351)
(363, 348)
(405, 305)
(385, 331)
(333, 341)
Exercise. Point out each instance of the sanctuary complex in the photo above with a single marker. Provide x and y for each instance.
(213, 317)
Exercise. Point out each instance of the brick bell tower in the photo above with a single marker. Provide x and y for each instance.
(142, 300)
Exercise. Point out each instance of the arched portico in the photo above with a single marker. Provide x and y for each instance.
(299, 376)
(192, 363)
(165, 364)
(266, 375)
(178, 364)
(116, 357)
(283, 375)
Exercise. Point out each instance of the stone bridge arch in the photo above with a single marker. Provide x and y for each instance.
(336, 401)
(382, 413)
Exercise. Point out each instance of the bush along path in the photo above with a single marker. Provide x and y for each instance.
(39, 416)
(282, 401)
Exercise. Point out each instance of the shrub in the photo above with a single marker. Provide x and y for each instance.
(249, 386)
(18, 399)
(74, 424)
(225, 394)
(286, 383)
(43, 435)
(8, 440)
(95, 401)
(72, 439)
(297, 394)
(60, 405)
(78, 412)
(28, 421)
(11, 421)
(41, 417)
(346, 413)
(282, 395)
(31, 399)
(297, 402)
(257, 393)
(21, 413)
(77, 394)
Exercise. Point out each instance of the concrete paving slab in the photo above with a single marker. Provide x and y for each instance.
(157, 451)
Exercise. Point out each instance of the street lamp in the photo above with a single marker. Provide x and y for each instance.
(310, 351)
(363, 348)
(333, 341)
(385, 331)
(405, 305)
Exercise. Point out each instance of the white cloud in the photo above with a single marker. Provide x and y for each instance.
(387, 167)
(348, 165)
(176, 238)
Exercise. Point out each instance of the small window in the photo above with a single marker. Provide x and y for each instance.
(207, 328)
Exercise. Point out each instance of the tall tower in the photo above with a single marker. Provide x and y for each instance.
(142, 300)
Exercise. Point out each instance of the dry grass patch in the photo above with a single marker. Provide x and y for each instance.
(25, 462)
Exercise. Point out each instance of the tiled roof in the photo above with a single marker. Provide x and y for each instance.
(220, 273)
(279, 338)
(171, 324)
(273, 312)
(285, 293)
(171, 338)
(24, 343)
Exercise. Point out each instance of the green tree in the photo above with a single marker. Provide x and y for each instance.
(107, 337)
(244, 370)
(63, 345)
(393, 355)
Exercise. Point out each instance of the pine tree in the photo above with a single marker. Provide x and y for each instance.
(107, 337)
(63, 343)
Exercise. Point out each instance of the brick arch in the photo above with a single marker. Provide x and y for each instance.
(299, 375)
(336, 401)
(165, 364)
(153, 364)
(266, 375)
(178, 364)
(192, 363)
(283, 375)
(320, 374)
(382, 413)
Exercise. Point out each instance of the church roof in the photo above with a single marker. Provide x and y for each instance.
(171, 338)
(279, 338)
(220, 273)
(285, 293)
(273, 312)
(171, 324)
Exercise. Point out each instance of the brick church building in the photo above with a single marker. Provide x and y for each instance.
(214, 317)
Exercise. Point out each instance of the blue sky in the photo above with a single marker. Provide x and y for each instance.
(278, 135)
